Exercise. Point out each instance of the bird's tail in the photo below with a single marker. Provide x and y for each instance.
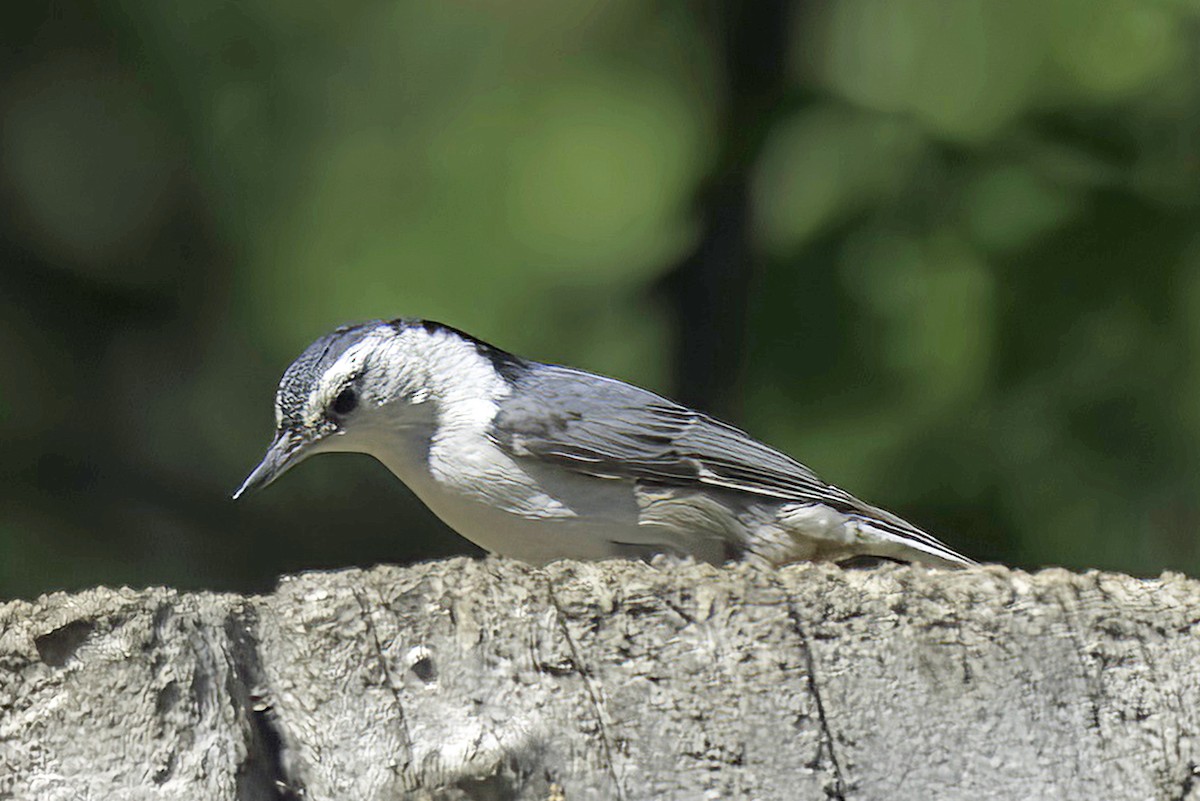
(891, 536)
(842, 529)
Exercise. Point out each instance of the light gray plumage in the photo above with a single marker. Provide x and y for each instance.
(542, 462)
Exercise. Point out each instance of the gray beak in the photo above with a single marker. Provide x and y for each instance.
(286, 451)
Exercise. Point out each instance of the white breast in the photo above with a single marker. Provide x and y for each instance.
(487, 498)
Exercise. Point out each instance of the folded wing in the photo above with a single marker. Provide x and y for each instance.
(606, 428)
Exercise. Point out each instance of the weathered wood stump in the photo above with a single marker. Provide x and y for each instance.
(495, 680)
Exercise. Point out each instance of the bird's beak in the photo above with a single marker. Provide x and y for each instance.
(286, 451)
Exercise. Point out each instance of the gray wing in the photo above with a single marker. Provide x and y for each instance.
(607, 428)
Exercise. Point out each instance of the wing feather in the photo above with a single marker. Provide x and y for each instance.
(606, 428)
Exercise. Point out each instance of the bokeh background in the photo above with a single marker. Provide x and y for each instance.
(946, 253)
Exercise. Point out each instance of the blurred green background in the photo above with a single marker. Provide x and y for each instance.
(946, 253)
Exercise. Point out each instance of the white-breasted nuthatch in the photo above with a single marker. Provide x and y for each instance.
(542, 462)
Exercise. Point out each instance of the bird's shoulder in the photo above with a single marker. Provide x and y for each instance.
(606, 426)
(553, 405)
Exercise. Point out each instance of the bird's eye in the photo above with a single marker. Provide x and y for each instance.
(345, 402)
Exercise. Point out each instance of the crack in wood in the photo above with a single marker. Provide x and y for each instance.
(592, 692)
(838, 790)
(405, 736)
(263, 772)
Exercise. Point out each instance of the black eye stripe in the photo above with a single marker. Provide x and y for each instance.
(345, 402)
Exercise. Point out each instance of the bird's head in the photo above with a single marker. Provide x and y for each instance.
(360, 386)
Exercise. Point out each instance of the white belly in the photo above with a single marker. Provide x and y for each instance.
(531, 513)
(534, 540)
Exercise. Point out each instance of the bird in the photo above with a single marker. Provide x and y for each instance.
(542, 462)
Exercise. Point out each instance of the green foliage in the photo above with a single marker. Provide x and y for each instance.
(975, 270)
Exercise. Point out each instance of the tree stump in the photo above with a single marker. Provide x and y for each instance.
(615, 680)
